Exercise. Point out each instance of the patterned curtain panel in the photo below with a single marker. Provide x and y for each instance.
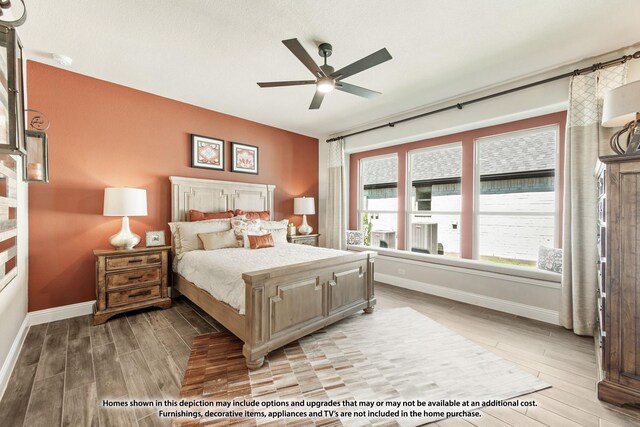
(583, 139)
(335, 233)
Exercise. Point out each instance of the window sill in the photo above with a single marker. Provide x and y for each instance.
(527, 273)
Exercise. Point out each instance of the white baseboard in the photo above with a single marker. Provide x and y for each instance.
(12, 356)
(36, 318)
(59, 313)
(528, 311)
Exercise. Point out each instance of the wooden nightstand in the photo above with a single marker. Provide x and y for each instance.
(304, 239)
(130, 279)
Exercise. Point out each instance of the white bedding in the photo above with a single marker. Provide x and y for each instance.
(219, 272)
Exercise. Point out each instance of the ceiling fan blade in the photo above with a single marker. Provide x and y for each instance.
(356, 90)
(303, 56)
(365, 63)
(288, 83)
(316, 101)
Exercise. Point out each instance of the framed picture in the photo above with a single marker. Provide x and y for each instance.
(207, 153)
(154, 238)
(244, 158)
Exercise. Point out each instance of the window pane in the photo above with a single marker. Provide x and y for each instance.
(435, 178)
(380, 229)
(379, 180)
(517, 171)
(514, 239)
(435, 234)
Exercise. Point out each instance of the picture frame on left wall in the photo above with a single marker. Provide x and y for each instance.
(207, 152)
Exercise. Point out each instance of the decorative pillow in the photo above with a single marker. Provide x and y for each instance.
(274, 225)
(550, 259)
(195, 215)
(185, 234)
(355, 237)
(218, 240)
(278, 235)
(265, 215)
(246, 234)
(259, 242)
(240, 226)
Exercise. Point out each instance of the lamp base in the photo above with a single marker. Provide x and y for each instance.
(124, 239)
(305, 228)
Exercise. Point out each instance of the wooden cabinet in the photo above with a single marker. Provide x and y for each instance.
(304, 239)
(620, 280)
(130, 279)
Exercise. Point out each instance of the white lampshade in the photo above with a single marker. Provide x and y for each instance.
(125, 202)
(304, 206)
(621, 105)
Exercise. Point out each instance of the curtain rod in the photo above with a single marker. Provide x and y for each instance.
(577, 72)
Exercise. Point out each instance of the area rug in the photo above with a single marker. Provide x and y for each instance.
(390, 355)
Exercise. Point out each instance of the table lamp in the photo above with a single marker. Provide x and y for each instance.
(621, 107)
(304, 206)
(125, 202)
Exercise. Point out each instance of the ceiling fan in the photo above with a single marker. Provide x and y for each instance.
(326, 78)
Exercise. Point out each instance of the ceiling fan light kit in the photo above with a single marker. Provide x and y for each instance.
(326, 78)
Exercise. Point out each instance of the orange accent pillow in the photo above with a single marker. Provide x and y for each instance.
(195, 215)
(259, 242)
(265, 215)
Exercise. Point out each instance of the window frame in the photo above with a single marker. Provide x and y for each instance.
(557, 238)
(408, 243)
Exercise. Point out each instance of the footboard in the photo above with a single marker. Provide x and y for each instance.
(287, 303)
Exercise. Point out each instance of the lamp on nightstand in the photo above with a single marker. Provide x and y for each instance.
(304, 206)
(125, 202)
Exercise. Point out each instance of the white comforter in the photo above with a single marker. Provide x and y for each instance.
(219, 272)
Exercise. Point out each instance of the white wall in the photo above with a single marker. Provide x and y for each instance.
(13, 298)
(548, 98)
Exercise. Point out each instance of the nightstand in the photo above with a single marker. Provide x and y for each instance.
(129, 280)
(304, 239)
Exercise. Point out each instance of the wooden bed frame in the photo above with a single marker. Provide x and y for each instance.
(284, 303)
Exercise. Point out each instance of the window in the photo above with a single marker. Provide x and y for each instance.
(433, 211)
(516, 206)
(378, 204)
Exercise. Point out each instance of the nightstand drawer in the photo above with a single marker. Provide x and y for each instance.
(311, 241)
(129, 296)
(121, 262)
(133, 277)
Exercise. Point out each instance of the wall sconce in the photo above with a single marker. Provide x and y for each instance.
(36, 161)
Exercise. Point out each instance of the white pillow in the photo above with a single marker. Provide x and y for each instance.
(246, 234)
(185, 234)
(274, 225)
(240, 226)
(218, 240)
(279, 235)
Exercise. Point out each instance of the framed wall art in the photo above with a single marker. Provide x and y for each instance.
(244, 158)
(207, 153)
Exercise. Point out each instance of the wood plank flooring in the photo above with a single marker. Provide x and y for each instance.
(67, 367)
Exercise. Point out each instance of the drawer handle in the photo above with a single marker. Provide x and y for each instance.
(153, 259)
(134, 261)
(139, 294)
(135, 277)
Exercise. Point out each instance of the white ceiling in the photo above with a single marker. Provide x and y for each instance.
(211, 53)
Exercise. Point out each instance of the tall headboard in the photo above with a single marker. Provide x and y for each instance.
(209, 195)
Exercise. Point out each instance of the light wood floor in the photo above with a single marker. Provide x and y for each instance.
(65, 368)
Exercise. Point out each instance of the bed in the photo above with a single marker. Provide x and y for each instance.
(281, 303)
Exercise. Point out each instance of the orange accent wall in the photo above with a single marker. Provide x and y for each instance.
(467, 138)
(102, 135)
